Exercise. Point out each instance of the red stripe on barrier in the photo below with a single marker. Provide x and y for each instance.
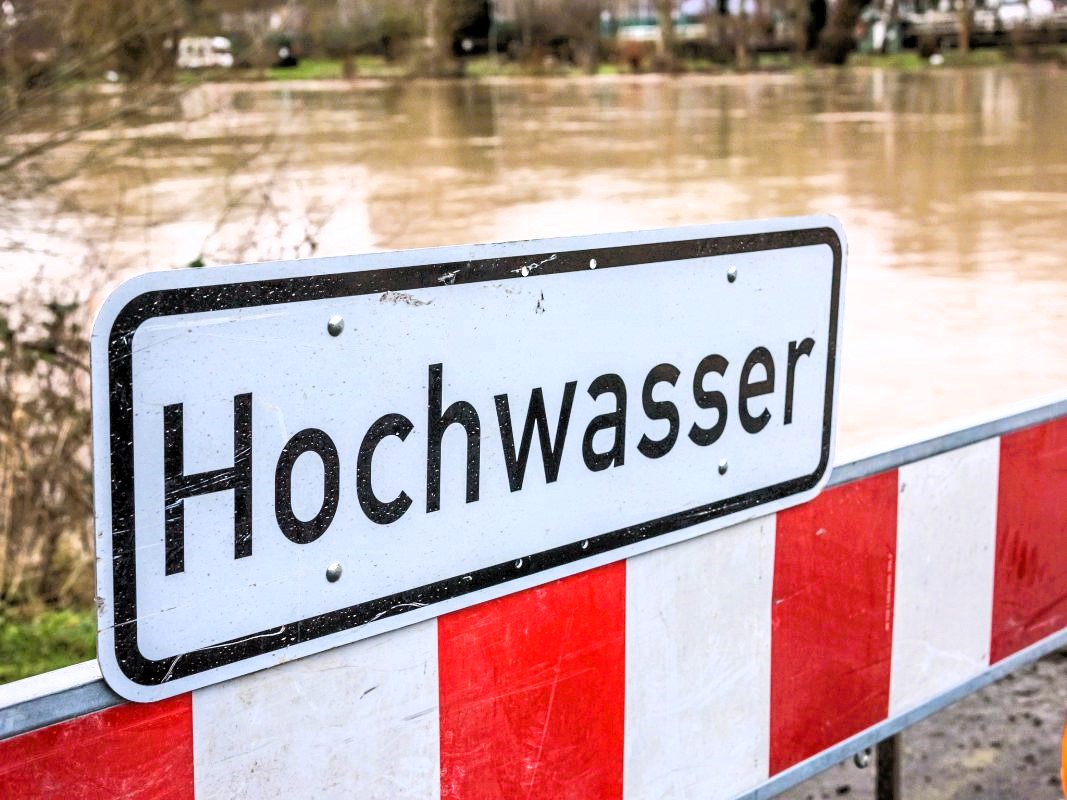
(132, 751)
(532, 692)
(831, 618)
(1030, 581)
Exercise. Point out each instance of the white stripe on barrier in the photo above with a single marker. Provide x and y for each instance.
(359, 721)
(698, 651)
(946, 538)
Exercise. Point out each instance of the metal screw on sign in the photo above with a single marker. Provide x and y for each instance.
(731, 274)
(862, 759)
(723, 466)
(333, 572)
(335, 325)
(592, 263)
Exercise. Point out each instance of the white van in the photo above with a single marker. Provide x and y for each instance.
(202, 52)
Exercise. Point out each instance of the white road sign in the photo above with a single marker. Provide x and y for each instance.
(293, 456)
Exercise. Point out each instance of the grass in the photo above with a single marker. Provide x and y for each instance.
(906, 61)
(909, 60)
(317, 69)
(986, 57)
(30, 645)
(309, 69)
(474, 67)
(370, 66)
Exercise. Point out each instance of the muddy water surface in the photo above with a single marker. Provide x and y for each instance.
(952, 186)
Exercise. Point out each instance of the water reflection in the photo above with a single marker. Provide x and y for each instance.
(952, 186)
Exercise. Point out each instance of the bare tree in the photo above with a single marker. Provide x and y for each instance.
(345, 28)
(442, 19)
(56, 55)
(583, 30)
(82, 81)
(565, 29)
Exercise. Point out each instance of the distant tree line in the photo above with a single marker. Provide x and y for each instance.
(137, 39)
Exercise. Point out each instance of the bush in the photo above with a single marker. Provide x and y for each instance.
(46, 539)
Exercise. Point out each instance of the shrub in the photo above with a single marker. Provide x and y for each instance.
(46, 504)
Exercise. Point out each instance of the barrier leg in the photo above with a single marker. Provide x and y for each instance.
(887, 777)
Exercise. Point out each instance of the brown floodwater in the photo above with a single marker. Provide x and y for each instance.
(951, 185)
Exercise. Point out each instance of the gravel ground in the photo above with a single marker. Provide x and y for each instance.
(1001, 743)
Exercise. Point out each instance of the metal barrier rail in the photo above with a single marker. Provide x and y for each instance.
(44, 700)
(872, 736)
(1009, 420)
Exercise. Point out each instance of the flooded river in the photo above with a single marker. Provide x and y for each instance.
(952, 187)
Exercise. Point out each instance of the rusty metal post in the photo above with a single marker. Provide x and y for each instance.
(887, 775)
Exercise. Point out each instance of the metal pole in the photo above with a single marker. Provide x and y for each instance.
(887, 769)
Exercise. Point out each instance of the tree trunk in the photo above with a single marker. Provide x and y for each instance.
(711, 23)
(836, 40)
(589, 48)
(493, 34)
(802, 20)
(817, 14)
(964, 19)
(741, 52)
(665, 45)
(437, 59)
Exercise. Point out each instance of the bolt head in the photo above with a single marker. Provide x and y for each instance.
(731, 274)
(335, 325)
(333, 572)
(592, 263)
(723, 466)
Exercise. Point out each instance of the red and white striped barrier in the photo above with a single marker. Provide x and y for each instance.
(733, 664)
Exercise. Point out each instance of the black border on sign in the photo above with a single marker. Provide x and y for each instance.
(192, 300)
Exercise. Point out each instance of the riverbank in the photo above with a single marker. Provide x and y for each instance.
(377, 67)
